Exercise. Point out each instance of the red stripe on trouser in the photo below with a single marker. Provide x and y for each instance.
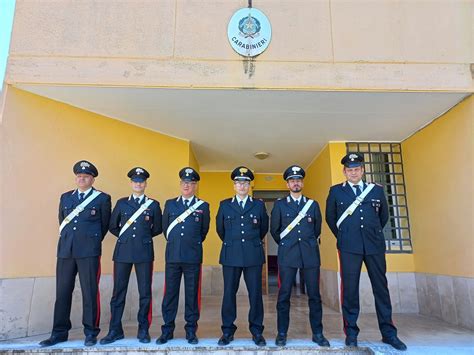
(113, 279)
(342, 292)
(97, 320)
(199, 289)
(278, 278)
(150, 311)
(164, 286)
(199, 293)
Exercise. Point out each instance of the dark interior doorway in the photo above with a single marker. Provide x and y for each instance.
(270, 272)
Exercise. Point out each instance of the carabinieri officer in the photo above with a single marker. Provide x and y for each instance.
(242, 223)
(185, 225)
(296, 226)
(135, 220)
(84, 216)
(356, 212)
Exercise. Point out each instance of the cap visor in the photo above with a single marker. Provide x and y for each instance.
(87, 172)
(294, 177)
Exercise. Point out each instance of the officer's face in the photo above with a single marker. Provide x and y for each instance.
(84, 181)
(353, 175)
(188, 188)
(138, 187)
(242, 187)
(295, 185)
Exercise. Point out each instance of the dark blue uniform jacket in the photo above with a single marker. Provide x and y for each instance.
(361, 232)
(241, 232)
(299, 248)
(185, 239)
(135, 245)
(82, 237)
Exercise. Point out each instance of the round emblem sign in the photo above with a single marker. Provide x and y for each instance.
(249, 32)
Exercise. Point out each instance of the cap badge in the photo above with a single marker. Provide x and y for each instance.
(352, 157)
(139, 171)
(188, 171)
(84, 165)
(295, 169)
(243, 171)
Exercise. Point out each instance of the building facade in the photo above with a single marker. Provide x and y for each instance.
(157, 84)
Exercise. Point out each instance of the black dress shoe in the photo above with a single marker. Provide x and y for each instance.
(112, 336)
(192, 338)
(280, 340)
(163, 339)
(351, 341)
(225, 339)
(143, 336)
(320, 340)
(395, 342)
(53, 340)
(259, 340)
(90, 340)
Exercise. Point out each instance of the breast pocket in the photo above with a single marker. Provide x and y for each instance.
(196, 218)
(255, 221)
(147, 216)
(342, 206)
(67, 210)
(228, 221)
(288, 217)
(172, 216)
(91, 212)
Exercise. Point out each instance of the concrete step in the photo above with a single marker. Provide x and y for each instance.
(181, 347)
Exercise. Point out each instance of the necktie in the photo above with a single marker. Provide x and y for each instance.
(137, 200)
(241, 204)
(297, 203)
(81, 196)
(358, 191)
(186, 204)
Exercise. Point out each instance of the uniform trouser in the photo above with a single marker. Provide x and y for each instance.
(144, 273)
(192, 296)
(351, 265)
(89, 276)
(253, 281)
(286, 276)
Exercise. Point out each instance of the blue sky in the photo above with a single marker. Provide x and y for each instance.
(7, 9)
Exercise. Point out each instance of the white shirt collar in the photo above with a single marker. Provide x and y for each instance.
(297, 199)
(239, 199)
(85, 192)
(189, 198)
(360, 183)
(140, 198)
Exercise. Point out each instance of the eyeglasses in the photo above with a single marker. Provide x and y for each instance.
(189, 183)
(242, 183)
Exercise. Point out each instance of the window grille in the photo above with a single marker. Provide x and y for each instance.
(383, 164)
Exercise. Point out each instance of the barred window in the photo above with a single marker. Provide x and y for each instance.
(384, 165)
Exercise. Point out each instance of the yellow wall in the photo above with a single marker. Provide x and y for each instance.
(439, 181)
(193, 163)
(213, 188)
(41, 140)
(317, 182)
(268, 182)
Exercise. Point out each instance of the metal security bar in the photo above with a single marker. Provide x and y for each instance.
(384, 165)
